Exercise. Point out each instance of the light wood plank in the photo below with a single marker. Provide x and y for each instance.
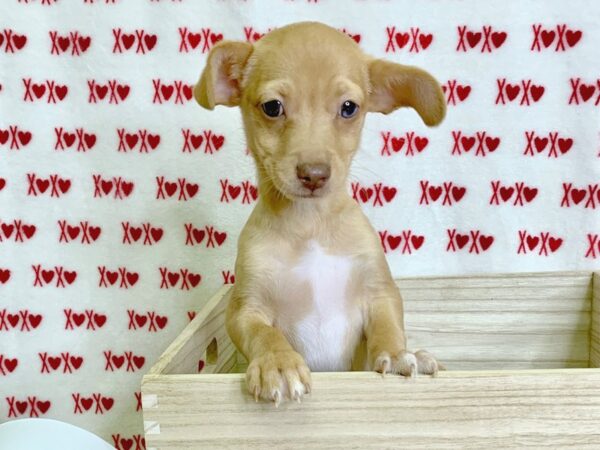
(506, 409)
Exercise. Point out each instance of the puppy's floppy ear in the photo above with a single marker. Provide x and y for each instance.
(394, 85)
(220, 81)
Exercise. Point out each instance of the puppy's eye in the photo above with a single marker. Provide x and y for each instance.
(349, 109)
(273, 108)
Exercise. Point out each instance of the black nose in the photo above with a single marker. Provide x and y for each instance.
(313, 176)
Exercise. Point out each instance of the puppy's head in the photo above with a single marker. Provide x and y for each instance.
(304, 91)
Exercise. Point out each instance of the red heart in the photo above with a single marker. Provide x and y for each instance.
(198, 235)
(529, 193)
(43, 406)
(76, 361)
(417, 241)
(506, 192)
(173, 278)
(356, 38)
(397, 144)
(7, 229)
(108, 403)
(365, 194)
(532, 242)
(402, 39)
(126, 444)
(463, 92)
(473, 38)
(141, 320)
(467, 143)
(586, 91)
(156, 234)
(87, 403)
(128, 40)
(458, 192)
(94, 232)
(512, 90)
(220, 237)
(153, 140)
(253, 192)
(132, 277)
(106, 186)
(200, 367)
(90, 140)
(84, 43)
(127, 187)
(21, 407)
(187, 91)
(123, 91)
(192, 189)
(564, 145)
(196, 140)
(234, 191)
(78, 318)
(10, 364)
(118, 361)
(194, 279)
(554, 243)
(2, 183)
(435, 192)
(214, 38)
(1, 39)
(54, 362)
(136, 233)
(150, 41)
(394, 241)
(498, 38)
(540, 143)
(3, 136)
(486, 241)
(13, 319)
(24, 137)
(29, 230)
(112, 277)
(139, 361)
(70, 276)
(19, 40)
(548, 37)
(425, 40)
(4, 275)
(161, 321)
(38, 90)
(461, 240)
(101, 91)
(34, 320)
(131, 139)
(100, 319)
(537, 92)
(61, 91)
(218, 141)
(167, 91)
(578, 195)
(421, 143)
(47, 275)
(63, 43)
(69, 139)
(389, 193)
(170, 188)
(492, 143)
(194, 39)
(64, 185)
(573, 37)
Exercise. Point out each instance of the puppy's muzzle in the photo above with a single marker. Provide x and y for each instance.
(313, 176)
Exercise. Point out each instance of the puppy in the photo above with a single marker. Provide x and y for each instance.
(313, 290)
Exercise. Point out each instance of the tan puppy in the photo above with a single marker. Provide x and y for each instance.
(313, 290)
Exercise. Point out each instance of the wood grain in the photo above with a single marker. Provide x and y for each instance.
(493, 409)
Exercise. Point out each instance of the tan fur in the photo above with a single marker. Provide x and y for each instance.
(312, 69)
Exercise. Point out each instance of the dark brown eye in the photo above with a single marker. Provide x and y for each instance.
(273, 108)
(349, 109)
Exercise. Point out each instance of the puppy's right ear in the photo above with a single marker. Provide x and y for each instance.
(220, 81)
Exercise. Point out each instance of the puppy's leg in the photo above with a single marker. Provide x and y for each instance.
(386, 341)
(275, 370)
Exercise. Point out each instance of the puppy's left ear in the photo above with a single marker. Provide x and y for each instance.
(394, 85)
(220, 81)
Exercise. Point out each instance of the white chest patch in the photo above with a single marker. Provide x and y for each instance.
(328, 334)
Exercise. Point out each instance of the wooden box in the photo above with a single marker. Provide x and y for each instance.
(522, 352)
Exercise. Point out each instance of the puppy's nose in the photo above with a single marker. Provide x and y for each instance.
(313, 176)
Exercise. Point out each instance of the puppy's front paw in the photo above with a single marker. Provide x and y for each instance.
(406, 363)
(275, 376)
